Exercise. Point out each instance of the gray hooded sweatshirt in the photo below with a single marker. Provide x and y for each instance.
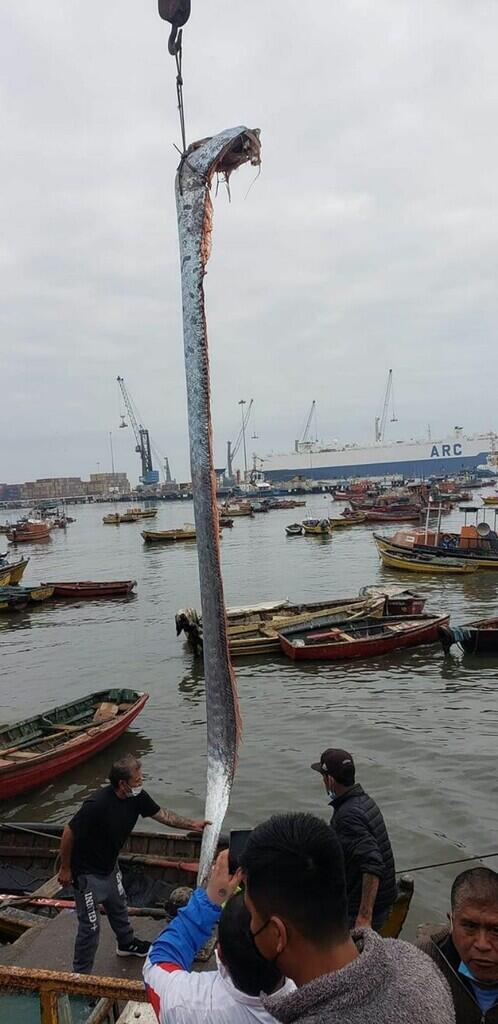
(390, 982)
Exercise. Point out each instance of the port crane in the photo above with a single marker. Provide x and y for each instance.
(232, 449)
(142, 447)
(381, 421)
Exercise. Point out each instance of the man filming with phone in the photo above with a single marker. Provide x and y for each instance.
(231, 994)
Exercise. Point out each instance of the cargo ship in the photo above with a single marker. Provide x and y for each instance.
(410, 459)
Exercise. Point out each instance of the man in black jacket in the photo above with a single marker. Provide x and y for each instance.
(360, 827)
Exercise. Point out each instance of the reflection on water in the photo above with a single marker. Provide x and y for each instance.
(421, 726)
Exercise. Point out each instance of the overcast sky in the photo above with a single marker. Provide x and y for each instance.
(369, 240)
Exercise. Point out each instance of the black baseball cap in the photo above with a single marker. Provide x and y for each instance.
(338, 763)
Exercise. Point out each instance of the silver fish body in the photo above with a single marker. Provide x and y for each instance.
(221, 154)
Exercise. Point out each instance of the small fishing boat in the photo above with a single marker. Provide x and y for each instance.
(90, 589)
(294, 530)
(34, 594)
(242, 508)
(398, 600)
(29, 531)
(38, 749)
(316, 527)
(225, 523)
(152, 864)
(142, 513)
(127, 517)
(112, 519)
(12, 572)
(476, 545)
(169, 536)
(492, 499)
(11, 600)
(480, 637)
(254, 630)
(344, 521)
(424, 562)
(361, 638)
(394, 515)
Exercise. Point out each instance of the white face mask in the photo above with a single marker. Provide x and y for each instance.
(135, 790)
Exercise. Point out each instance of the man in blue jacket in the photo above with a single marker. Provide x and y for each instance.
(229, 995)
(361, 830)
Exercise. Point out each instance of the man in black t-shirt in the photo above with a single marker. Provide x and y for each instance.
(89, 851)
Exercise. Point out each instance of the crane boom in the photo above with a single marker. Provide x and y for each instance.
(380, 422)
(308, 423)
(142, 447)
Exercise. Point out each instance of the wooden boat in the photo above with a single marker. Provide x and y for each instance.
(344, 521)
(294, 530)
(91, 589)
(142, 513)
(254, 631)
(35, 594)
(153, 864)
(398, 600)
(169, 536)
(11, 601)
(243, 508)
(492, 499)
(477, 545)
(36, 750)
(377, 515)
(480, 637)
(316, 527)
(29, 531)
(429, 563)
(225, 523)
(127, 517)
(112, 519)
(12, 572)
(362, 638)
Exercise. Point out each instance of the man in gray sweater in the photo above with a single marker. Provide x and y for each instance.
(296, 896)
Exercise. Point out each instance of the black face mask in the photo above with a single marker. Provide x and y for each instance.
(271, 963)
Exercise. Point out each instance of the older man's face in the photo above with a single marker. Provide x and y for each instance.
(475, 937)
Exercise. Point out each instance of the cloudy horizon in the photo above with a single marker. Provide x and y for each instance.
(367, 242)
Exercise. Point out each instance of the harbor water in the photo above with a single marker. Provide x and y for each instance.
(422, 727)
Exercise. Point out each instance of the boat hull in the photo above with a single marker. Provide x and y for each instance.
(20, 777)
(92, 589)
(367, 647)
(466, 556)
(169, 858)
(479, 637)
(168, 536)
(414, 564)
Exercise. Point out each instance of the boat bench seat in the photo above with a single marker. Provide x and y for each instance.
(396, 627)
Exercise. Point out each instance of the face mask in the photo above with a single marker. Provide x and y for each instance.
(135, 790)
(268, 960)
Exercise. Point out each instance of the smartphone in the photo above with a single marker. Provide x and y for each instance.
(236, 846)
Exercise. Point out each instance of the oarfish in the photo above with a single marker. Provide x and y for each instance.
(222, 154)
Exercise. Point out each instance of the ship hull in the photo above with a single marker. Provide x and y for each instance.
(439, 458)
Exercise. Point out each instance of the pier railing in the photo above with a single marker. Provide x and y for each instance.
(53, 988)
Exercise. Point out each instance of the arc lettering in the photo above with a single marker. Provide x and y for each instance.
(447, 450)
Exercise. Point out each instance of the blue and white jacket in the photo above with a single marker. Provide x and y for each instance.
(200, 997)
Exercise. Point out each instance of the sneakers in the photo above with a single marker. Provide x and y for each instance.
(135, 948)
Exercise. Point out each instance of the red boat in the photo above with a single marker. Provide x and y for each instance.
(36, 750)
(29, 530)
(361, 638)
(91, 589)
(397, 515)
